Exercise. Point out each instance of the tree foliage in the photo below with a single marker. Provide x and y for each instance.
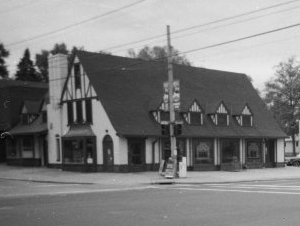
(41, 59)
(3, 54)
(158, 53)
(26, 70)
(283, 96)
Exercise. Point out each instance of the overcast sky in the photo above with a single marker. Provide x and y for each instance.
(39, 24)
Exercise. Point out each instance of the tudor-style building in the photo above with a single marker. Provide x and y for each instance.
(107, 114)
(27, 141)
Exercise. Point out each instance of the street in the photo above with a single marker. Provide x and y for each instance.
(244, 203)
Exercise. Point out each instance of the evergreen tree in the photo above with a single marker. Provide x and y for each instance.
(26, 70)
(3, 54)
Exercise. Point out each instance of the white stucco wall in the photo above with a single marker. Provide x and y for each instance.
(122, 151)
(280, 150)
(101, 127)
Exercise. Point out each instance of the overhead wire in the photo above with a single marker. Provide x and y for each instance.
(202, 25)
(215, 27)
(75, 24)
(125, 67)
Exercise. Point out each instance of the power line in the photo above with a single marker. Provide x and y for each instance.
(125, 67)
(240, 39)
(75, 24)
(219, 26)
(202, 25)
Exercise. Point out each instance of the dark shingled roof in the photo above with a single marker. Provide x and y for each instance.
(12, 96)
(33, 106)
(130, 88)
(37, 126)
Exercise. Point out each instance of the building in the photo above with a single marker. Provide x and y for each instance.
(108, 114)
(12, 96)
(288, 146)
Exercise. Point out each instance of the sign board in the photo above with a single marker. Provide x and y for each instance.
(176, 94)
(169, 173)
(182, 167)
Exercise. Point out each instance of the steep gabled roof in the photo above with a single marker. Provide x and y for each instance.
(128, 88)
(33, 107)
(12, 96)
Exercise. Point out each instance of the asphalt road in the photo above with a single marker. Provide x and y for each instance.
(256, 203)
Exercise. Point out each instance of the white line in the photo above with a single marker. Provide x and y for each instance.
(242, 191)
(268, 188)
(256, 185)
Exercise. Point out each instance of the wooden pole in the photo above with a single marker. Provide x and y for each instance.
(171, 104)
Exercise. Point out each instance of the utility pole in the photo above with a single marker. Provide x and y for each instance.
(171, 103)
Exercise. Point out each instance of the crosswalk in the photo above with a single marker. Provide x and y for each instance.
(261, 188)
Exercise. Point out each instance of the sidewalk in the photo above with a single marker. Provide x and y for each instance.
(132, 179)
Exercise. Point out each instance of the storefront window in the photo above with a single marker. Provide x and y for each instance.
(73, 151)
(230, 150)
(253, 149)
(28, 144)
(203, 151)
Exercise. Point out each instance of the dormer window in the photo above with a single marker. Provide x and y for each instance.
(245, 118)
(28, 118)
(194, 115)
(220, 117)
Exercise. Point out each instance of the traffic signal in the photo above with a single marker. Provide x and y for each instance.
(165, 129)
(177, 129)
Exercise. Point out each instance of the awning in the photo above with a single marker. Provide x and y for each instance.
(79, 130)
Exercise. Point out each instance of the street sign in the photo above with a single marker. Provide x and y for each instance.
(176, 94)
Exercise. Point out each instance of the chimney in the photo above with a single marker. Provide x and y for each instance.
(58, 71)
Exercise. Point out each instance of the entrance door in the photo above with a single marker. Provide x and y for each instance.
(136, 155)
(108, 154)
(270, 153)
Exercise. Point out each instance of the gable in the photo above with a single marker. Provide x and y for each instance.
(222, 109)
(78, 85)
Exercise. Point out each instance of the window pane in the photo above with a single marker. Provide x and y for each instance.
(73, 151)
(253, 149)
(222, 119)
(88, 111)
(195, 118)
(203, 151)
(79, 111)
(70, 113)
(27, 144)
(77, 76)
(246, 120)
(164, 116)
(230, 150)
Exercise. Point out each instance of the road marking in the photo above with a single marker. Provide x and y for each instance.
(267, 187)
(257, 185)
(235, 190)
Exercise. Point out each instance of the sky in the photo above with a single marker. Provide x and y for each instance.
(100, 25)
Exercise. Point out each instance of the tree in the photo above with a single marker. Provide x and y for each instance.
(41, 59)
(158, 53)
(26, 70)
(3, 54)
(283, 96)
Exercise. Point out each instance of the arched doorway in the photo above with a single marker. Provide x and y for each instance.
(108, 154)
